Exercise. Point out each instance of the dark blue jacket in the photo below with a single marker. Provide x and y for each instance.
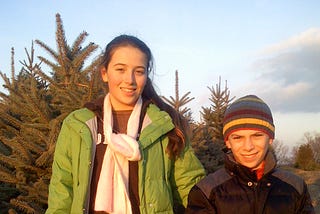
(235, 189)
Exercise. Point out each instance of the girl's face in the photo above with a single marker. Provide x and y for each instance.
(126, 75)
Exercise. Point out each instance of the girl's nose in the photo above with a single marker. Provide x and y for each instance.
(129, 77)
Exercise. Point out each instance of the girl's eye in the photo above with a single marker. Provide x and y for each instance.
(140, 72)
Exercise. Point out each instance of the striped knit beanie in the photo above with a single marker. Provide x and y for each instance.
(248, 112)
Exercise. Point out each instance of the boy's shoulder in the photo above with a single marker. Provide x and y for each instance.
(292, 179)
(213, 180)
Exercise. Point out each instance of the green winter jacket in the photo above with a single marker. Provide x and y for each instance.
(162, 181)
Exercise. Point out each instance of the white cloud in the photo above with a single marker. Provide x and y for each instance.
(288, 73)
(307, 38)
(296, 89)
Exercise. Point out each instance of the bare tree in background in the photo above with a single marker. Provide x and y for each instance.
(314, 141)
(282, 152)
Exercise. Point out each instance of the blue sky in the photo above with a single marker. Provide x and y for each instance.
(270, 48)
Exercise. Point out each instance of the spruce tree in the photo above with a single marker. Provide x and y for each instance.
(31, 115)
(213, 116)
(177, 103)
(207, 139)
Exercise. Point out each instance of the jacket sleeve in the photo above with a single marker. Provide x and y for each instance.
(60, 188)
(187, 172)
(305, 203)
(198, 203)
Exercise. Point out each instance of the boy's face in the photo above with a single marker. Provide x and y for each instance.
(249, 147)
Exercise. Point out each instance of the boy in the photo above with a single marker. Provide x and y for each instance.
(249, 181)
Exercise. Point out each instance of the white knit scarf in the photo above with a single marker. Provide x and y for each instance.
(112, 190)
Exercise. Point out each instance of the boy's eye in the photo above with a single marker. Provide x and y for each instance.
(258, 134)
(236, 137)
(119, 69)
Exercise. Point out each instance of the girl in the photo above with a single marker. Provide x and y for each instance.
(128, 152)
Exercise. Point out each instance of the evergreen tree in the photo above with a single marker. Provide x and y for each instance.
(31, 115)
(24, 116)
(71, 85)
(304, 158)
(177, 103)
(213, 116)
(207, 139)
